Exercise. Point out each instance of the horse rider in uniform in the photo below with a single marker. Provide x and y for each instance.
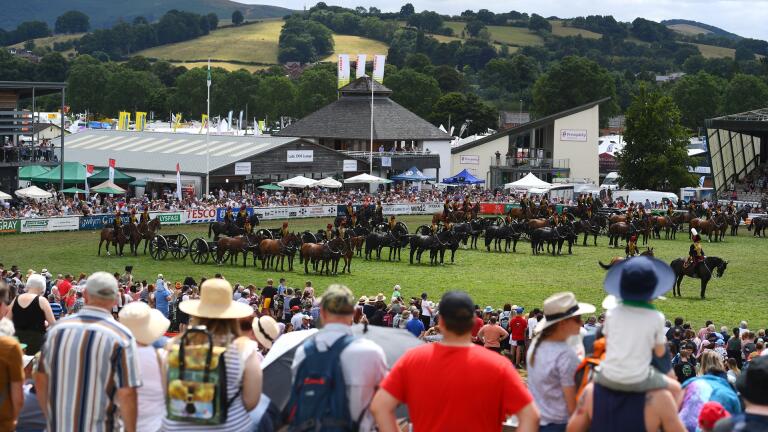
(695, 253)
(692, 208)
(709, 213)
(242, 216)
(590, 201)
(247, 228)
(631, 248)
(350, 212)
(555, 219)
(433, 227)
(379, 211)
(284, 230)
(670, 209)
(144, 215)
(731, 208)
(342, 229)
(132, 218)
(641, 212)
(446, 209)
(328, 232)
(392, 223)
(117, 223)
(523, 202)
(228, 218)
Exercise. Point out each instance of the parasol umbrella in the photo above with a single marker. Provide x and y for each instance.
(367, 179)
(108, 188)
(270, 186)
(277, 364)
(4, 196)
(296, 182)
(33, 192)
(328, 182)
(73, 190)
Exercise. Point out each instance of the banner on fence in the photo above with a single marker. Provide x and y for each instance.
(194, 216)
(168, 218)
(10, 226)
(53, 224)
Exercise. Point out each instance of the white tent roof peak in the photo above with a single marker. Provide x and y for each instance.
(528, 182)
(297, 182)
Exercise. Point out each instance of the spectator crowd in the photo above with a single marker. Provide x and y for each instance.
(118, 343)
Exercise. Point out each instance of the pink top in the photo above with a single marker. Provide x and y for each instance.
(492, 334)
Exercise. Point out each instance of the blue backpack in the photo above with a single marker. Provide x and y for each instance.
(319, 395)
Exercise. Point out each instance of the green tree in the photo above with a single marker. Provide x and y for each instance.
(52, 67)
(572, 82)
(463, 108)
(743, 54)
(407, 10)
(129, 90)
(413, 90)
(237, 18)
(72, 22)
(87, 82)
(213, 21)
(539, 23)
(698, 97)
(449, 79)
(138, 63)
(744, 93)
(656, 152)
(418, 62)
(474, 27)
(316, 89)
(428, 21)
(276, 97)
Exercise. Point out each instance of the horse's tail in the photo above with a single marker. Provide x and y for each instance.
(605, 266)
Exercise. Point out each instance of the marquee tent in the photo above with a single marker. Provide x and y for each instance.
(328, 182)
(103, 175)
(33, 192)
(296, 182)
(412, 174)
(74, 173)
(108, 188)
(31, 171)
(530, 181)
(367, 179)
(463, 178)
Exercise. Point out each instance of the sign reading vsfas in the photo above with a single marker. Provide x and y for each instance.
(300, 156)
(573, 134)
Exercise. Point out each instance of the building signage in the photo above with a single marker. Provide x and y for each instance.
(350, 165)
(54, 224)
(200, 216)
(573, 134)
(386, 161)
(470, 159)
(300, 155)
(243, 168)
(9, 226)
(169, 218)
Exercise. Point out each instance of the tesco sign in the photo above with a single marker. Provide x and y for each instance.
(199, 216)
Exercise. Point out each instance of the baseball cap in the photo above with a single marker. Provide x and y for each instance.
(457, 307)
(689, 345)
(710, 413)
(102, 285)
(338, 300)
(295, 308)
(754, 380)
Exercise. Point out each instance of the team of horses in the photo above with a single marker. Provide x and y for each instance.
(131, 234)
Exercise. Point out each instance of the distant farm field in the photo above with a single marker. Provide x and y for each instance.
(514, 36)
(491, 278)
(559, 29)
(254, 43)
(711, 51)
(229, 66)
(50, 40)
(688, 29)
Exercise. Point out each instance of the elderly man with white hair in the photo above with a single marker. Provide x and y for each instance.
(31, 314)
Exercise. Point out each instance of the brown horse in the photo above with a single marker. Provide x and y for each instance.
(146, 233)
(520, 213)
(107, 234)
(356, 244)
(710, 226)
(616, 259)
(279, 249)
(454, 216)
(132, 232)
(349, 252)
(659, 223)
(231, 247)
(618, 230)
(533, 224)
(615, 218)
(318, 254)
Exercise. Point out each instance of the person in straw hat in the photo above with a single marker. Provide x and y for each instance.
(551, 378)
(266, 330)
(220, 314)
(147, 326)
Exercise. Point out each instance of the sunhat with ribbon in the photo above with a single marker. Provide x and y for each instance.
(146, 324)
(266, 330)
(559, 307)
(216, 302)
(640, 278)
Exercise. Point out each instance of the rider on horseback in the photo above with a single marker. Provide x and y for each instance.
(284, 230)
(247, 228)
(144, 215)
(446, 209)
(117, 223)
(350, 212)
(342, 229)
(379, 211)
(392, 223)
(329, 231)
(731, 208)
(631, 248)
(695, 253)
(242, 216)
(228, 216)
(132, 218)
(555, 219)
(524, 202)
(433, 227)
(670, 209)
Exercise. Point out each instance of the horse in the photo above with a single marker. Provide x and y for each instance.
(659, 223)
(236, 245)
(270, 249)
(520, 213)
(703, 270)
(643, 226)
(590, 226)
(759, 224)
(349, 252)
(715, 226)
(510, 233)
(147, 232)
(618, 230)
(616, 218)
(107, 234)
(134, 237)
(311, 253)
(229, 229)
(735, 219)
(477, 226)
(615, 260)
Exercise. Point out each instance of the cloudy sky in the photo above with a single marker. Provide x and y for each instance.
(745, 18)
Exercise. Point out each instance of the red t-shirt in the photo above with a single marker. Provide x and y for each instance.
(477, 389)
(478, 325)
(517, 326)
(64, 287)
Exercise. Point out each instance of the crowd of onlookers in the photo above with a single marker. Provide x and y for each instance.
(113, 339)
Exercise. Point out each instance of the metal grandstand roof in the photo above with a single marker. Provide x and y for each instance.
(750, 121)
(158, 151)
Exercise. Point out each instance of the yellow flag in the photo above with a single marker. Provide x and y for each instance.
(141, 121)
(123, 120)
(204, 123)
(262, 125)
(177, 123)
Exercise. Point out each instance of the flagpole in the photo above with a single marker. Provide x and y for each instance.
(208, 134)
(371, 159)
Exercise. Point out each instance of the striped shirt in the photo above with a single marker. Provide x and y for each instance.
(87, 358)
(56, 309)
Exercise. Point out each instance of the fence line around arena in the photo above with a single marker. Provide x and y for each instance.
(201, 216)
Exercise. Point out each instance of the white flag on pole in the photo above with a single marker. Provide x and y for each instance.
(178, 181)
(112, 170)
(360, 71)
(343, 70)
(378, 67)
(240, 121)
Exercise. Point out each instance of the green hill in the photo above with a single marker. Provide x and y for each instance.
(692, 28)
(105, 13)
(254, 44)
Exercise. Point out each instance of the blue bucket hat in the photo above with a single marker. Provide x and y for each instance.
(640, 278)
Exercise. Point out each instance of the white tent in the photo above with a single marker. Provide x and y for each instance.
(4, 196)
(33, 192)
(367, 178)
(328, 182)
(297, 182)
(528, 182)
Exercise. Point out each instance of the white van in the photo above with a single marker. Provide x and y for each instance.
(611, 181)
(640, 196)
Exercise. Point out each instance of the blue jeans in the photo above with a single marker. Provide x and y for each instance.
(553, 427)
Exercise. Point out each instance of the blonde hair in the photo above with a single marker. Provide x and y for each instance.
(222, 329)
(711, 361)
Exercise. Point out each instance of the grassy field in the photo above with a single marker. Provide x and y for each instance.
(254, 43)
(558, 29)
(514, 36)
(688, 29)
(50, 40)
(711, 51)
(224, 65)
(491, 278)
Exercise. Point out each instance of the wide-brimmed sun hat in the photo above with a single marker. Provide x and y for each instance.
(559, 307)
(641, 278)
(266, 330)
(216, 302)
(146, 324)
